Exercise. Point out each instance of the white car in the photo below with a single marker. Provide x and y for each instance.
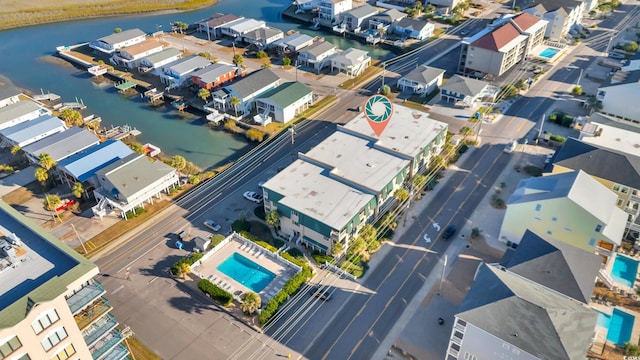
(212, 225)
(510, 147)
(253, 196)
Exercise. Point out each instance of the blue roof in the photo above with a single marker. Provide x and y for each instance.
(84, 165)
(30, 129)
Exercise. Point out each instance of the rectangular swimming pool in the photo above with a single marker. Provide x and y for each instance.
(246, 272)
(549, 53)
(619, 325)
(624, 270)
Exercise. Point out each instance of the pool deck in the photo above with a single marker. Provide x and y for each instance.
(600, 338)
(261, 256)
(622, 289)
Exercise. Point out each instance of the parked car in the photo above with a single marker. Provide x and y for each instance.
(510, 147)
(212, 225)
(253, 196)
(320, 293)
(449, 232)
(615, 55)
(464, 32)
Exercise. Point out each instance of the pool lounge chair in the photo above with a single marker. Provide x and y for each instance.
(260, 255)
(242, 246)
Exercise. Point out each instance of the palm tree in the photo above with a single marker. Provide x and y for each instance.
(46, 161)
(184, 269)
(419, 181)
(250, 302)
(77, 189)
(273, 218)
(52, 201)
(337, 249)
(204, 94)
(15, 150)
(42, 175)
(235, 101)
(238, 60)
(179, 163)
(401, 195)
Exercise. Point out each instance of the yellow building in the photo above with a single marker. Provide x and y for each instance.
(50, 305)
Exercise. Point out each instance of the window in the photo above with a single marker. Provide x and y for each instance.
(598, 228)
(538, 207)
(65, 353)
(54, 338)
(24, 357)
(624, 190)
(592, 242)
(10, 346)
(616, 187)
(554, 219)
(620, 201)
(44, 321)
(468, 356)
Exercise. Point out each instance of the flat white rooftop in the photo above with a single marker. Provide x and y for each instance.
(614, 138)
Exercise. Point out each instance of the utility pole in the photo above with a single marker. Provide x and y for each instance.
(79, 238)
(292, 131)
(384, 68)
(540, 129)
(444, 267)
(579, 78)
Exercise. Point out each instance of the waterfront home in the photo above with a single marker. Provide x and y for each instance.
(8, 95)
(175, 74)
(422, 80)
(348, 179)
(61, 145)
(51, 305)
(110, 43)
(466, 91)
(413, 28)
(213, 24)
(331, 9)
(572, 207)
(82, 166)
(262, 37)
(283, 103)
(501, 45)
(215, 75)
(316, 55)
(616, 169)
(618, 93)
(247, 90)
(505, 315)
(130, 56)
(155, 62)
(448, 5)
(131, 182)
(384, 19)
(562, 16)
(307, 5)
(292, 43)
(239, 27)
(28, 132)
(20, 111)
(351, 61)
(356, 19)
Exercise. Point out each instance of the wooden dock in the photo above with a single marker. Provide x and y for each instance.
(154, 97)
(46, 97)
(120, 132)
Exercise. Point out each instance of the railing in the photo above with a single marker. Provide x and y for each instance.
(85, 296)
(117, 353)
(92, 313)
(114, 338)
(99, 329)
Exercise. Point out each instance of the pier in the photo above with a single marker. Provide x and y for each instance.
(154, 97)
(120, 132)
(125, 85)
(46, 97)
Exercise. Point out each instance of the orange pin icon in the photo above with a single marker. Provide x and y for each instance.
(378, 110)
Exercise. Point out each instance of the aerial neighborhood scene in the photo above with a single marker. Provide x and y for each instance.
(320, 179)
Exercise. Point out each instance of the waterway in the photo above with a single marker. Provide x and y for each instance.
(26, 58)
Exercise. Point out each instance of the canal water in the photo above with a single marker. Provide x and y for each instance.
(25, 58)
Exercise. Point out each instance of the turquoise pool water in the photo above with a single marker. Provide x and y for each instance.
(624, 270)
(619, 325)
(246, 272)
(549, 53)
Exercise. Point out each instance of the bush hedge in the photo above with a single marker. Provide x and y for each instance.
(189, 259)
(258, 241)
(289, 288)
(240, 226)
(220, 295)
(561, 119)
(321, 258)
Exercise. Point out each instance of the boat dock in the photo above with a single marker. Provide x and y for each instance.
(120, 132)
(154, 97)
(46, 97)
(125, 85)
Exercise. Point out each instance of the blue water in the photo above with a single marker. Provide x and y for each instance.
(246, 272)
(549, 52)
(619, 325)
(26, 60)
(624, 270)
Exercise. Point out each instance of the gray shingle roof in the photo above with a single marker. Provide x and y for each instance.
(464, 85)
(134, 173)
(21, 108)
(63, 144)
(604, 163)
(163, 55)
(363, 11)
(213, 72)
(424, 74)
(318, 48)
(537, 320)
(391, 15)
(183, 66)
(556, 265)
(254, 82)
(262, 34)
(411, 23)
(7, 91)
(122, 36)
(549, 5)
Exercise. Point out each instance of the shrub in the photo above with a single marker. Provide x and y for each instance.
(216, 239)
(189, 259)
(255, 135)
(577, 90)
(261, 54)
(353, 269)
(215, 292)
(240, 226)
(557, 138)
(320, 258)
(258, 241)
(295, 253)
(289, 288)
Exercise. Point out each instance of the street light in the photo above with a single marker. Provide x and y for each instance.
(444, 267)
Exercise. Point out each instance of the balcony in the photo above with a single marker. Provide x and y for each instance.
(105, 344)
(85, 296)
(117, 353)
(92, 313)
(99, 328)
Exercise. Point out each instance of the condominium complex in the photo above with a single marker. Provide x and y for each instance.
(51, 307)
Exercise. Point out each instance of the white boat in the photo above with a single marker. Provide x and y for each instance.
(97, 70)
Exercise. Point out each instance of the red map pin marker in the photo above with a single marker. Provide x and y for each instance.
(378, 110)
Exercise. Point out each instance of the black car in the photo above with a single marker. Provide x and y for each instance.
(449, 231)
(320, 293)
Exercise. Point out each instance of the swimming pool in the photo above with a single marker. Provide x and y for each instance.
(246, 272)
(624, 270)
(549, 53)
(619, 325)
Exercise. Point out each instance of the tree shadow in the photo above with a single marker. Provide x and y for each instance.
(161, 268)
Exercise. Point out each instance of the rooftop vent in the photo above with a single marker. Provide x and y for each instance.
(370, 165)
(416, 115)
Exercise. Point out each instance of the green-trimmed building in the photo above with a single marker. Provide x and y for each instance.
(51, 307)
(348, 179)
(283, 103)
